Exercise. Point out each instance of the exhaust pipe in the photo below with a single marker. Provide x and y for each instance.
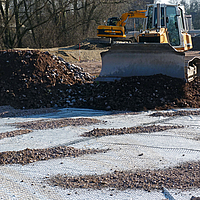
(158, 16)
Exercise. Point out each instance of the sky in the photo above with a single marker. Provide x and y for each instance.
(168, 1)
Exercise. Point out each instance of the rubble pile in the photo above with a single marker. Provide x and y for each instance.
(142, 93)
(27, 78)
(34, 79)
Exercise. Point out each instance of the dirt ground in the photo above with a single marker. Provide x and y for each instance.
(89, 60)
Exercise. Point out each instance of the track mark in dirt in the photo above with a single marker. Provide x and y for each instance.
(176, 149)
(53, 124)
(26, 156)
(14, 133)
(185, 176)
(139, 129)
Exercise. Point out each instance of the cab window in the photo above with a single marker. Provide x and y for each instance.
(150, 18)
(172, 26)
(162, 17)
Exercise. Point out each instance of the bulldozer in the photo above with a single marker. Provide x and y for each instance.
(116, 27)
(160, 48)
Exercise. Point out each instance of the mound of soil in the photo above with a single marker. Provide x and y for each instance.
(27, 77)
(34, 79)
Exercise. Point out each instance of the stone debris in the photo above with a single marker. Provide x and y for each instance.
(139, 129)
(185, 176)
(175, 113)
(26, 156)
(14, 133)
(53, 124)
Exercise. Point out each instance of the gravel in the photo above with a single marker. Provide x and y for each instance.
(59, 123)
(139, 129)
(123, 150)
(184, 176)
(175, 113)
(26, 156)
(14, 133)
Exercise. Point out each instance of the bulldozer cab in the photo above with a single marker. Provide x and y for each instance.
(170, 17)
(172, 26)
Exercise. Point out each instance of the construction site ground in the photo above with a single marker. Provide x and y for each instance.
(164, 151)
(48, 153)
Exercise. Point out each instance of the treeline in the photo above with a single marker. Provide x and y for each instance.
(50, 23)
(193, 8)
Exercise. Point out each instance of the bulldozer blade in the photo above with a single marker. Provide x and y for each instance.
(136, 59)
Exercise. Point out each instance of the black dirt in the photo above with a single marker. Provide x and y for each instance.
(34, 79)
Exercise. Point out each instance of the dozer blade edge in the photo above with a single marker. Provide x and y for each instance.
(144, 59)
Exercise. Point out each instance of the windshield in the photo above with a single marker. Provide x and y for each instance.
(152, 20)
(150, 17)
(162, 18)
(112, 21)
(172, 26)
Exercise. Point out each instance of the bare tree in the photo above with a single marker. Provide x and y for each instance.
(47, 23)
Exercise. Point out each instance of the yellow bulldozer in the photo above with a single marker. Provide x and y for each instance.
(160, 48)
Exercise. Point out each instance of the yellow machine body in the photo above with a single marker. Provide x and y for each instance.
(115, 27)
